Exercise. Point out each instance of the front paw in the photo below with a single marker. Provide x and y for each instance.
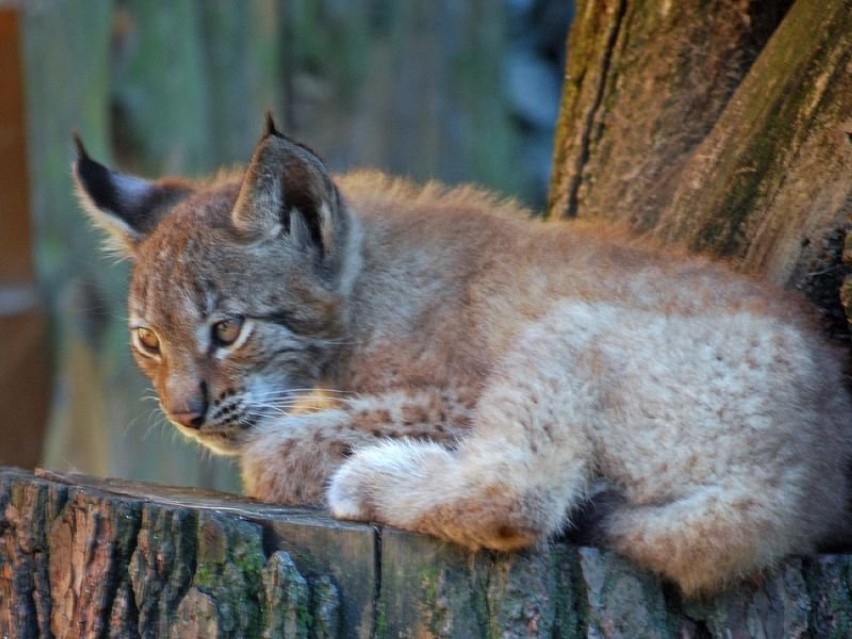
(347, 498)
(382, 483)
(280, 470)
(353, 486)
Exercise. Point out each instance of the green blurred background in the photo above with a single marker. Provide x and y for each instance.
(450, 89)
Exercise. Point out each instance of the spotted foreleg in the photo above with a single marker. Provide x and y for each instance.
(290, 459)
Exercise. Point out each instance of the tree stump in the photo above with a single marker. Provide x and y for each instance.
(86, 557)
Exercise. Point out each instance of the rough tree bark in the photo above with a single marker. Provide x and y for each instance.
(708, 126)
(81, 557)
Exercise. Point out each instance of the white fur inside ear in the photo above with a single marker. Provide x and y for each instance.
(255, 211)
(299, 231)
(327, 227)
(131, 190)
(120, 239)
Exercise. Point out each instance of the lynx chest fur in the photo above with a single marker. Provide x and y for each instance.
(435, 360)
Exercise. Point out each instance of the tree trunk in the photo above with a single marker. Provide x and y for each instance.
(708, 127)
(81, 557)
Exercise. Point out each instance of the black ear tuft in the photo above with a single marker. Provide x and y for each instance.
(270, 125)
(98, 183)
(78, 144)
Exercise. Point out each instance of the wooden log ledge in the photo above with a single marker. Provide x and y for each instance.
(89, 557)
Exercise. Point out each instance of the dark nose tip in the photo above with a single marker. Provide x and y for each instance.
(190, 415)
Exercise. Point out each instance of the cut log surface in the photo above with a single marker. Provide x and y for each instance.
(87, 557)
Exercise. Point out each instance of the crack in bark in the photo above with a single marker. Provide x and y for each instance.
(377, 585)
(572, 205)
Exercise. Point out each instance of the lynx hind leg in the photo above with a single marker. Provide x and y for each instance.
(705, 540)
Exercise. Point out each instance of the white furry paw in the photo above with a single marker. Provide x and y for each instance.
(381, 483)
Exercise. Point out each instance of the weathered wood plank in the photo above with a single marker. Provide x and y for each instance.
(372, 80)
(74, 286)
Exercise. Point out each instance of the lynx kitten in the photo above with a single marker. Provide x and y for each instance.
(434, 360)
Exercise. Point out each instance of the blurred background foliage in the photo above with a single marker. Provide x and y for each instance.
(457, 90)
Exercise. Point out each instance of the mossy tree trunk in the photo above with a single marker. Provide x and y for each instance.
(722, 126)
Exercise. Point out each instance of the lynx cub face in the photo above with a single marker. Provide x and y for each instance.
(492, 375)
(233, 317)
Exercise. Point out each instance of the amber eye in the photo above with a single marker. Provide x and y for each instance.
(226, 331)
(148, 340)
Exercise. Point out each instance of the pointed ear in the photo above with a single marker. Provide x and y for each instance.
(126, 207)
(287, 189)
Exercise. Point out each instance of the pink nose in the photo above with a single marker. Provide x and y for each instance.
(190, 415)
(183, 402)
